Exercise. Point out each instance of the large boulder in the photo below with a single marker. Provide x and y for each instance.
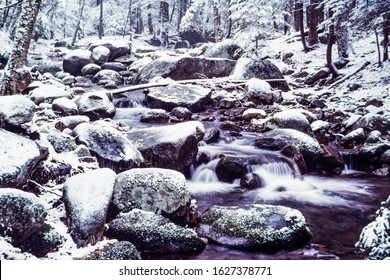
(95, 105)
(173, 147)
(224, 49)
(70, 122)
(48, 93)
(111, 148)
(290, 119)
(19, 155)
(185, 68)
(75, 60)
(64, 107)
(21, 215)
(255, 227)
(277, 139)
(15, 110)
(192, 36)
(100, 55)
(117, 48)
(154, 234)
(154, 116)
(107, 75)
(247, 68)
(87, 197)
(194, 98)
(157, 190)
(259, 92)
(370, 122)
(90, 69)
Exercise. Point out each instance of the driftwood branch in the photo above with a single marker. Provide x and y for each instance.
(167, 83)
(364, 65)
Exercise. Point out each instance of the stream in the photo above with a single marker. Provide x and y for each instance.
(336, 208)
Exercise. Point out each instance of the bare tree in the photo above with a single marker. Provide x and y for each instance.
(386, 31)
(331, 40)
(101, 20)
(313, 21)
(299, 11)
(342, 30)
(81, 9)
(16, 78)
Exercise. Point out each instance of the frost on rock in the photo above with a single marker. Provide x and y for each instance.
(151, 189)
(16, 110)
(255, 227)
(173, 147)
(21, 215)
(87, 197)
(375, 237)
(111, 148)
(18, 156)
(152, 233)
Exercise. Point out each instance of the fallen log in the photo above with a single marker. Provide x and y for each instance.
(164, 84)
(364, 65)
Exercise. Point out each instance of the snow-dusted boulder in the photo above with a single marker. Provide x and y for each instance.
(117, 48)
(87, 197)
(211, 135)
(21, 214)
(154, 116)
(356, 136)
(258, 91)
(252, 113)
(157, 190)
(111, 147)
(255, 227)
(121, 250)
(179, 114)
(75, 60)
(64, 107)
(185, 68)
(224, 49)
(16, 110)
(153, 233)
(70, 122)
(320, 125)
(370, 122)
(115, 66)
(95, 105)
(192, 36)
(192, 97)
(48, 93)
(107, 75)
(61, 142)
(277, 139)
(90, 69)
(290, 119)
(19, 155)
(100, 55)
(173, 147)
(247, 68)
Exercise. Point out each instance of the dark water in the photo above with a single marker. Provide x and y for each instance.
(336, 209)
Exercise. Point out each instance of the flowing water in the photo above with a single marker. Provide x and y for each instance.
(336, 208)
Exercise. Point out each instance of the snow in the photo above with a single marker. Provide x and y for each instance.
(258, 85)
(85, 54)
(16, 109)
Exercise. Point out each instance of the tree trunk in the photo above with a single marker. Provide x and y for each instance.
(216, 22)
(229, 22)
(386, 31)
(82, 4)
(101, 20)
(140, 25)
(296, 16)
(15, 78)
(331, 39)
(299, 9)
(313, 22)
(342, 32)
(173, 11)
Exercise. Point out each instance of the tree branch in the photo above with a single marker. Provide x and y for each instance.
(11, 5)
(364, 65)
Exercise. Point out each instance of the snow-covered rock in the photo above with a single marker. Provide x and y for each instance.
(252, 113)
(75, 60)
(247, 68)
(95, 105)
(192, 97)
(87, 197)
(61, 142)
(319, 125)
(115, 66)
(224, 49)
(290, 119)
(157, 190)
(154, 116)
(64, 107)
(48, 93)
(277, 139)
(258, 91)
(121, 250)
(111, 147)
(107, 75)
(100, 55)
(185, 68)
(255, 227)
(90, 69)
(70, 122)
(16, 110)
(21, 214)
(173, 147)
(117, 47)
(179, 114)
(229, 168)
(356, 136)
(19, 155)
(370, 122)
(153, 233)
